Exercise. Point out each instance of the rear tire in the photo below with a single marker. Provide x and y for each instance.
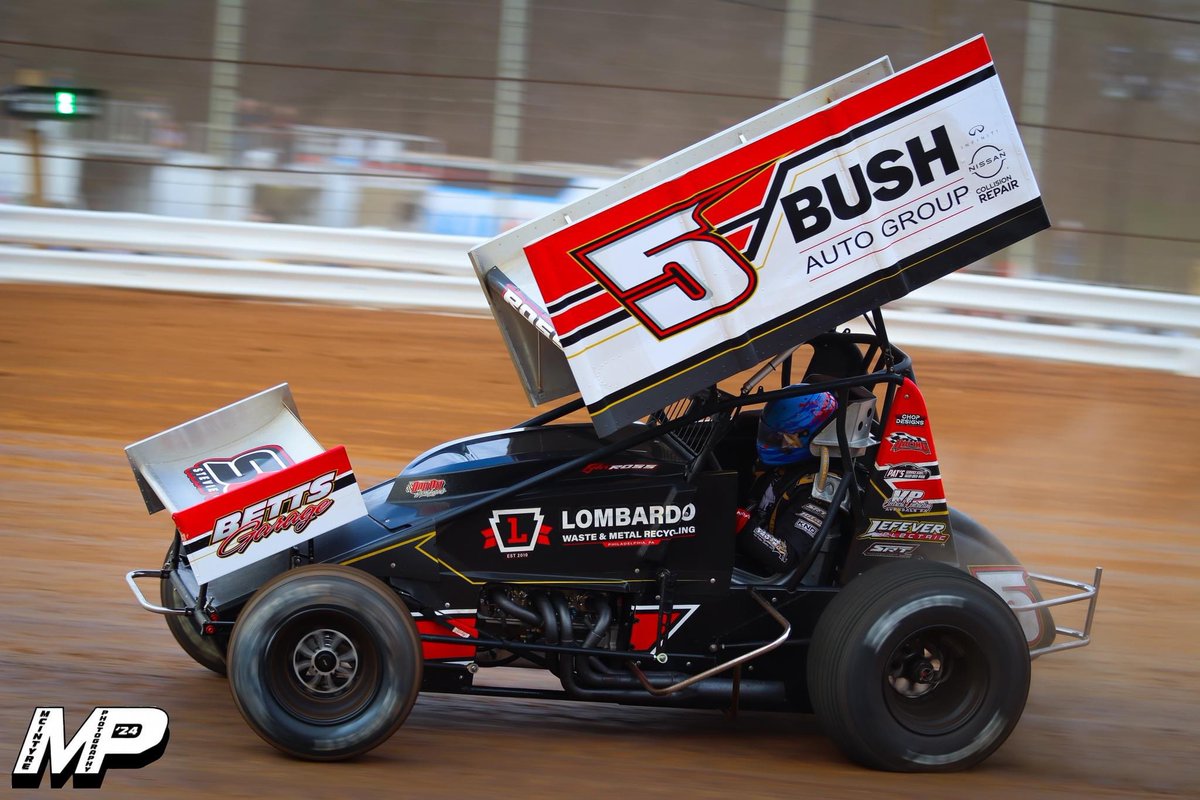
(207, 651)
(325, 662)
(918, 667)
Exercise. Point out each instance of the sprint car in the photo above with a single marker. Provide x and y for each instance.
(624, 555)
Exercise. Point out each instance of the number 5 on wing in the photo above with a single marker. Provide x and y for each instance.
(671, 270)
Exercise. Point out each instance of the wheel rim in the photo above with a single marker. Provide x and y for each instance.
(325, 661)
(936, 680)
(322, 666)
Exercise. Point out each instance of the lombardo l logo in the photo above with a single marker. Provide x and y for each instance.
(112, 736)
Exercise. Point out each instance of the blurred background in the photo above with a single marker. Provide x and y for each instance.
(470, 116)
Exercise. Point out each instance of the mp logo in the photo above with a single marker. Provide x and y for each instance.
(118, 737)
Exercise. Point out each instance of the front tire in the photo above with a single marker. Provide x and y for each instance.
(325, 662)
(918, 667)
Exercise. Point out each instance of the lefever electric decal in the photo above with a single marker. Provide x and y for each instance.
(845, 208)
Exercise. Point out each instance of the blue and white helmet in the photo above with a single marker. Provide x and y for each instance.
(788, 426)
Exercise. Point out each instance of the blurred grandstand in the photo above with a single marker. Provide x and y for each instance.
(470, 116)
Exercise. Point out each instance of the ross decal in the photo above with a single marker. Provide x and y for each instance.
(516, 531)
(530, 312)
(218, 475)
(598, 467)
(906, 530)
(426, 487)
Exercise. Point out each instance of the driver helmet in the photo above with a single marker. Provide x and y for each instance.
(788, 426)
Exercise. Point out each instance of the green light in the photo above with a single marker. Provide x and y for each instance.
(64, 102)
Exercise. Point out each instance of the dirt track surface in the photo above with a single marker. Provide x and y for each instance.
(1072, 466)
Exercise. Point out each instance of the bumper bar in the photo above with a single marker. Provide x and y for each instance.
(132, 577)
(1084, 591)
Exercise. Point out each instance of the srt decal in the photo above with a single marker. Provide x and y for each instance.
(116, 736)
(516, 531)
(627, 526)
(915, 420)
(217, 475)
(426, 487)
(891, 550)
(292, 510)
(906, 530)
(901, 441)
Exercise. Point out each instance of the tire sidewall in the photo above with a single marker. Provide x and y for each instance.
(852, 664)
(978, 736)
(378, 614)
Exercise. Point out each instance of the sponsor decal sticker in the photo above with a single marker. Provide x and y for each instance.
(426, 487)
(515, 532)
(911, 500)
(293, 510)
(915, 420)
(626, 526)
(115, 737)
(907, 472)
(598, 467)
(901, 441)
(219, 475)
(888, 550)
(906, 530)
(987, 161)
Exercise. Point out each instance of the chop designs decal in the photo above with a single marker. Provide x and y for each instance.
(842, 209)
(274, 513)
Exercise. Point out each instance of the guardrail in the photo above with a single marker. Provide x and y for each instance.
(1041, 319)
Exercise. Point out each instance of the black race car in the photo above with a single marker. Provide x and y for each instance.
(650, 556)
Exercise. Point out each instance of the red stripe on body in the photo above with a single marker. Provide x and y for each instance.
(588, 311)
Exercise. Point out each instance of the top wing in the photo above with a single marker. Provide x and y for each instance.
(763, 236)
